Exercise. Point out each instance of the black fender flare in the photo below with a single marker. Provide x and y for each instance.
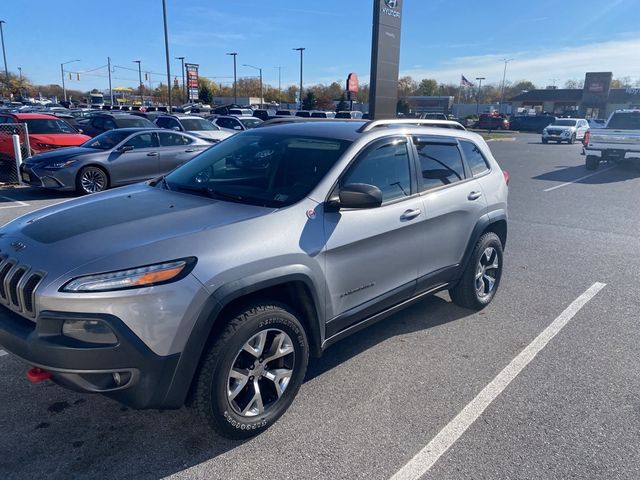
(210, 315)
(482, 224)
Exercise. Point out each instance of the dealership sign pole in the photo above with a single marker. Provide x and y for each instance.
(385, 58)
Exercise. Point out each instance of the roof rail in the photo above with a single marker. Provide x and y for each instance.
(411, 121)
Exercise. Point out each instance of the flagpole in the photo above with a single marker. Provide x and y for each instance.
(459, 92)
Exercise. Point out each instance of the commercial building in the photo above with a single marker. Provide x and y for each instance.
(595, 100)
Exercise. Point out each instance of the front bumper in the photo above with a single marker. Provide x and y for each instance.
(563, 137)
(63, 179)
(128, 371)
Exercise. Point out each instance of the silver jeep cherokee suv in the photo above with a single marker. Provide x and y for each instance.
(213, 285)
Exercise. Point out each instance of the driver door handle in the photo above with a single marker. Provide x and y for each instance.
(152, 154)
(474, 195)
(410, 214)
(189, 150)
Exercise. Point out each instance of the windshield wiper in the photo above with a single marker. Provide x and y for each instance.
(210, 192)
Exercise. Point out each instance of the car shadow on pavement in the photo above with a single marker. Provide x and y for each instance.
(425, 314)
(51, 432)
(26, 194)
(616, 173)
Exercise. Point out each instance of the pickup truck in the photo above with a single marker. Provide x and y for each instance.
(619, 139)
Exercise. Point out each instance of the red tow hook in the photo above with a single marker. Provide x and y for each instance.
(36, 375)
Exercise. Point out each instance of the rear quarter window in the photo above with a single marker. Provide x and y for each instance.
(475, 159)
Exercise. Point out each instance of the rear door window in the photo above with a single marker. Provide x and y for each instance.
(168, 139)
(440, 164)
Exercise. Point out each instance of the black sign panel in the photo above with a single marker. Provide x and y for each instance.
(385, 58)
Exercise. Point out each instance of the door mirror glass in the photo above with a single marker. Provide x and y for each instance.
(360, 195)
(125, 148)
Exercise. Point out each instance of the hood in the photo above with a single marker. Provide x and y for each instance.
(560, 127)
(60, 154)
(211, 134)
(124, 220)
(56, 139)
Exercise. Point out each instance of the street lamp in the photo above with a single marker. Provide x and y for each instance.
(279, 84)
(139, 62)
(260, 70)
(20, 73)
(478, 96)
(300, 49)
(235, 87)
(64, 89)
(504, 76)
(4, 55)
(184, 86)
(166, 51)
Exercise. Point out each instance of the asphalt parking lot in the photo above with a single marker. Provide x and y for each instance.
(569, 408)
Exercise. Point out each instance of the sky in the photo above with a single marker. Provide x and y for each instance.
(549, 41)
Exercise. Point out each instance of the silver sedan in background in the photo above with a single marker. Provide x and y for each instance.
(114, 158)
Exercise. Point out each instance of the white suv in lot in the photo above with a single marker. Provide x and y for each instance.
(565, 130)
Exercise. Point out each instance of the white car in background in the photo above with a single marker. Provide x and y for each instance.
(194, 125)
(565, 130)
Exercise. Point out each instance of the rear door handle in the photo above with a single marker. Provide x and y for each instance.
(410, 214)
(190, 150)
(152, 154)
(474, 195)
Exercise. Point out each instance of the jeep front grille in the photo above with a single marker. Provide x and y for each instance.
(18, 283)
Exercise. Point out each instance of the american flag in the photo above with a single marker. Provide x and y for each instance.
(465, 83)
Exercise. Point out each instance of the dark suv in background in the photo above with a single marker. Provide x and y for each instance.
(531, 123)
(103, 122)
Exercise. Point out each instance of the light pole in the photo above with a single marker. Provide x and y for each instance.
(64, 88)
(4, 55)
(166, 51)
(300, 49)
(235, 86)
(260, 70)
(504, 77)
(478, 96)
(20, 73)
(279, 84)
(139, 62)
(184, 85)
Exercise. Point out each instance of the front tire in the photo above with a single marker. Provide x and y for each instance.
(481, 277)
(91, 179)
(572, 140)
(544, 140)
(252, 372)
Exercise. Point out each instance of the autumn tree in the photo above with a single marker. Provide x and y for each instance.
(407, 86)
(428, 87)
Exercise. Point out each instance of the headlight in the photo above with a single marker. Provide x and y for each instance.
(566, 133)
(59, 165)
(146, 276)
(544, 130)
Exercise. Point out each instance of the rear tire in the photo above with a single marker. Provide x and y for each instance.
(592, 162)
(245, 380)
(481, 277)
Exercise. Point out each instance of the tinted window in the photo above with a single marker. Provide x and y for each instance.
(162, 122)
(625, 121)
(386, 167)
(250, 122)
(441, 164)
(197, 124)
(168, 139)
(98, 122)
(564, 123)
(142, 140)
(41, 125)
(476, 161)
(226, 122)
(127, 121)
(109, 124)
(106, 140)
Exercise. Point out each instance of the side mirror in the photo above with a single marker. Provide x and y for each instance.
(80, 130)
(177, 129)
(125, 148)
(237, 127)
(360, 195)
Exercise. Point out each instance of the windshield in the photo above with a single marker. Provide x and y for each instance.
(564, 123)
(194, 124)
(250, 122)
(625, 121)
(271, 170)
(106, 140)
(133, 121)
(46, 125)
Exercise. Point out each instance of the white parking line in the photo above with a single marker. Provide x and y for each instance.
(2, 353)
(18, 202)
(429, 455)
(578, 179)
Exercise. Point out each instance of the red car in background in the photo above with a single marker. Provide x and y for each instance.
(492, 121)
(46, 132)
